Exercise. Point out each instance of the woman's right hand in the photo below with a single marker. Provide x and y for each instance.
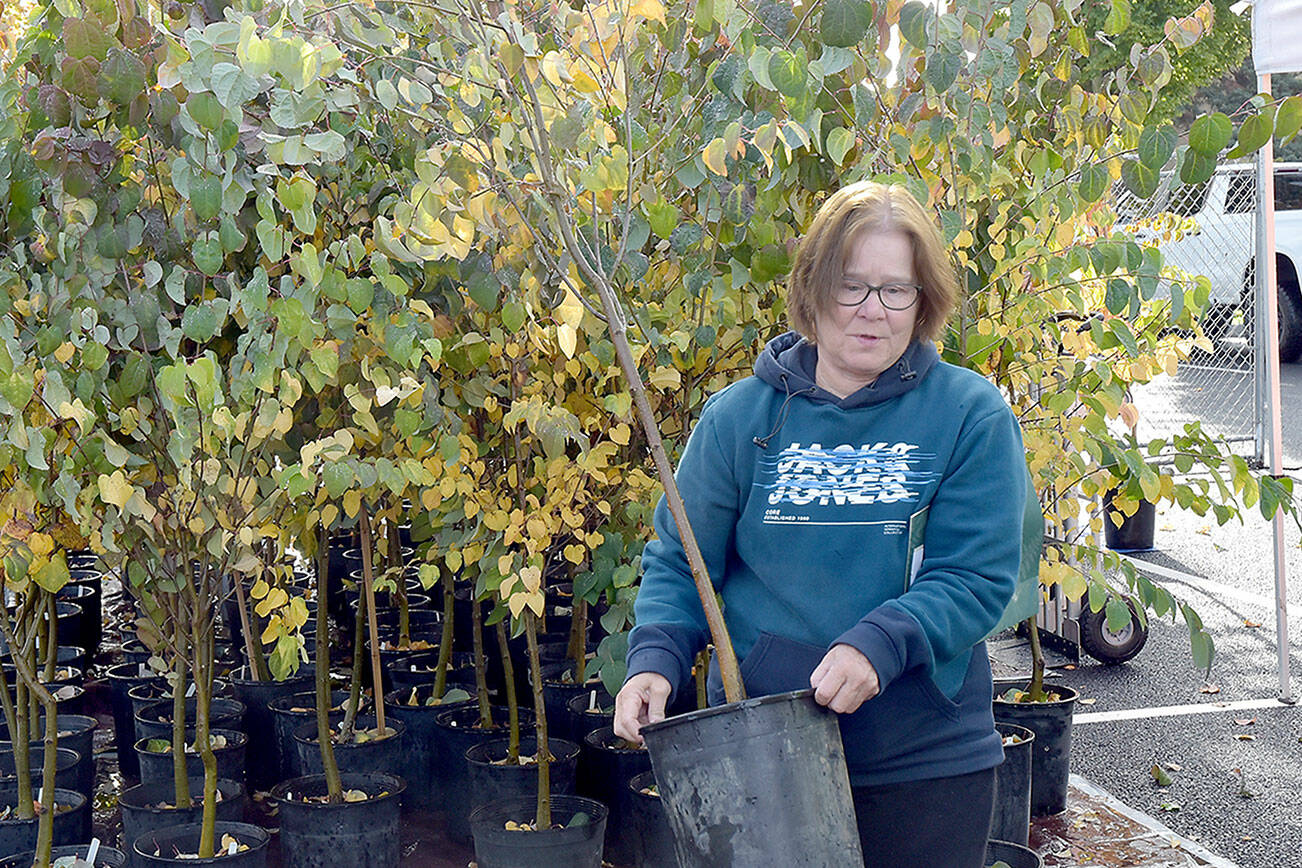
(640, 701)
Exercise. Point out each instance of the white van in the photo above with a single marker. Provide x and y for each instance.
(1209, 230)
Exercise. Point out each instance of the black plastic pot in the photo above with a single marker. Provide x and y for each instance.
(155, 719)
(70, 826)
(1136, 533)
(420, 669)
(557, 693)
(263, 759)
(583, 720)
(288, 713)
(606, 765)
(455, 732)
(491, 781)
(66, 764)
(1051, 755)
(364, 834)
(157, 767)
(76, 731)
(653, 841)
(141, 811)
(91, 629)
(1012, 817)
(422, 773)
(152, 691)
(185, 839)
(572, 846)
(1014, 855)
(757, 782)
(105, 857)
(135, 651)
(377, 755)
(122, 678)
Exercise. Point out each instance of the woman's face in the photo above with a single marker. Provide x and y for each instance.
(856, 344)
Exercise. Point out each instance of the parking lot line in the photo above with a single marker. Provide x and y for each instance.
(1176, 710)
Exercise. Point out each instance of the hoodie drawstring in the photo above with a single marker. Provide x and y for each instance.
(763, 442)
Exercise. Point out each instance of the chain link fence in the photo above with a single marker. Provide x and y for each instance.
(1206, 229)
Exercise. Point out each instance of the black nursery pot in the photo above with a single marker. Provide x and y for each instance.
(155, 719)
(420, 669)
(185, 839)
(122, 678)
(455, 732)
(1051, 755)
(1013, 855)
(91, 629)
(264, 764)
(491, 781)
(76, 731)
(70, 825)
(157, 767)
(142, 812)
(606, 765)
(288, 713)
(421, 770)
(567, 843)
(584, 720)
(757, 782)
(66, 769)
(653, 842)
(1012, 818)
(377, 755)
(1136, 533)
(105, 857)
(365, 834)
(557, 693)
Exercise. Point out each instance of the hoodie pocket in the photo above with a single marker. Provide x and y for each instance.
(777, 665)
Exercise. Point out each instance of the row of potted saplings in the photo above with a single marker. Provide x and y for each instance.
(451, 722)
(455, 729)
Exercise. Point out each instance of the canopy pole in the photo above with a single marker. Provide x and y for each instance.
(1267, 288)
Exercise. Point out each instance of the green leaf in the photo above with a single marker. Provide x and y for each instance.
(232, 85)
(86, 37)
(844, 22)
(1254, 132)
(1117, 297)
(386, 93)
(942, 69)
(513, 315)
(1210, 134)
(662, 217)
(1118, 17)
(201, 322)
(121, 77)
(738, 205)
(1197, 167)
(208, 256)
(205, 110)
(1118, 614)
(787, 72)
(913, 23)
(337, 477)
(1156, 144)
(1288, 119)
(1140, 178)
(206, 197)
(838, 144)
(1094, 182)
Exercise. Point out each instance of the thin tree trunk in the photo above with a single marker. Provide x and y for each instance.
(512, 704)
(334, 786)
(445, 640)
(400, 593)
(203, 741)
(543, 819)
(180, 777)
(45, 826)
(1036, 687)
(355, 678)
(51, 634)
(481, 666)
(368, 587)
(252, 646)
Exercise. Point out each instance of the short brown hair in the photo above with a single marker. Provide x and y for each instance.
(850, 211)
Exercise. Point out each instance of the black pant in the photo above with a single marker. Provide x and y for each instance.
(938, 823)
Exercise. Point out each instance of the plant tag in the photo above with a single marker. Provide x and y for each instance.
(232, 848)
(40, 797)
(92, 851)
(141, 670)
(592, 700)
(190, 691)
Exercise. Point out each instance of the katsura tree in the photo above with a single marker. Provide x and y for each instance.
(662, 161)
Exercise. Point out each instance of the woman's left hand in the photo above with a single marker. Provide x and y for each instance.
(844, 680)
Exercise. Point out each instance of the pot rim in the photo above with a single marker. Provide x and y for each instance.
(719, 710)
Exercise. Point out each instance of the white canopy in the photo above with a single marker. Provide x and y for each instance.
(1277, 36)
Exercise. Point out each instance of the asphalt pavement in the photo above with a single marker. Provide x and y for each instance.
(1232, 750)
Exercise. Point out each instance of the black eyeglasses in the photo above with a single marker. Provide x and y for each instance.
(893, 296)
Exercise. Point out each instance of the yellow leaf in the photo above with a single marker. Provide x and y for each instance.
(259, 589)
(714, 157)
(114, 489)
(40, 544)
(665, 379)
(517, 604)
(273, 631)
(497, 521)
(536, 602)
(352, 503)
(570, 310)
(505, 563)
(531, 578)
(575, 554)
(620, 434)
(583, 82)
(648, 9)
(64, 352)
(566, 338)
(554, 69)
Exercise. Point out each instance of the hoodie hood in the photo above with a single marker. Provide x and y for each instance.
(788, 362)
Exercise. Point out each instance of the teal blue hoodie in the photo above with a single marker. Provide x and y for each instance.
(889, 520)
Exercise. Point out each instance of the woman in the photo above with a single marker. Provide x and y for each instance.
(859, 506)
